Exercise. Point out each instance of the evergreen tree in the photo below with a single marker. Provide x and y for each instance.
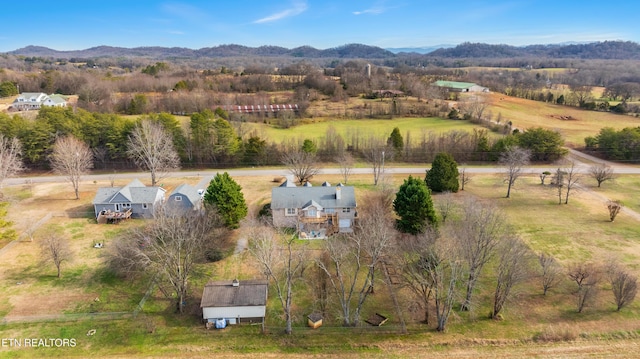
(443, 175)
(8, 88)
(309, 146)
(414, 206)
(226, 195)
(396, 141)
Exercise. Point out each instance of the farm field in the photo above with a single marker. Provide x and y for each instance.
(573, 123)
(362, 128)
(533, 325)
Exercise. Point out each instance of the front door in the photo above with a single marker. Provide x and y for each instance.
(117, 207)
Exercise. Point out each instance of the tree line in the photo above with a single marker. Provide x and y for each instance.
(210, 140)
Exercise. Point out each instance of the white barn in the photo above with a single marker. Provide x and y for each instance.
(235, 301)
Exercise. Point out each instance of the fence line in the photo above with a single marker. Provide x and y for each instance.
(152, 286)
(66, 317)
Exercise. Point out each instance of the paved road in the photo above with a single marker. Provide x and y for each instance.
(583, 161)
(208, 174)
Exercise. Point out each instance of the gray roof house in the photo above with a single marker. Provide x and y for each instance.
(135, 198)
(185, 197)
(235, 301)
(35, 100)
(316, 212)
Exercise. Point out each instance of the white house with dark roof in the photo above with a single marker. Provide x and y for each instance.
(235, 301)
(316, 212)
(135, 198)
(185, 197)
(34, 100)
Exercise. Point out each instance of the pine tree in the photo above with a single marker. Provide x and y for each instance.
(414, 206)
(226, 195)
(443, 175)
(396, 141)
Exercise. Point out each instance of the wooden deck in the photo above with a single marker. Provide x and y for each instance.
(109, 216)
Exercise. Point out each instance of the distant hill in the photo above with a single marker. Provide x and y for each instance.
(618, 50)
(346, 51)
(418, 50)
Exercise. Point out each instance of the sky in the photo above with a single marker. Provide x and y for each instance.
(74, 25)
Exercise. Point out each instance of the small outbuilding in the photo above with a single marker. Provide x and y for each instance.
(235, 301)
(185, 197)
(314, 320)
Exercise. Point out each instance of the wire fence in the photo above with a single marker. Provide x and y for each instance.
(72, 317)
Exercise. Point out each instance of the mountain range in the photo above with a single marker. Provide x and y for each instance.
(619, 50)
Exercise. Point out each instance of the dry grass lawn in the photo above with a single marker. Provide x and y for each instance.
(577, 231)
(573, 123)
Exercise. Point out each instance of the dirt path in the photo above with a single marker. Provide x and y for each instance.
(579, 157)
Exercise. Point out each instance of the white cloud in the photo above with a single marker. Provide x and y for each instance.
(376, 9)
(298, 7)
(373, 10)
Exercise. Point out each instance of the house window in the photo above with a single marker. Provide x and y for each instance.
(346, 210)
(329, 210)
(178, 198)
(291, 212)
(145, 206)
(312, 212)
(126, 205)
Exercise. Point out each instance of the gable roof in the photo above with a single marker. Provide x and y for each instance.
(224, 294)
(134, 192)
(312, 203)
(188, 191)
(298, 197)
(287, 183)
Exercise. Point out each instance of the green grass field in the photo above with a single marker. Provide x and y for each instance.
(316, 130)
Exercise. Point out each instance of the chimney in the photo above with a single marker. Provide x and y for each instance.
(235, 283)
(338, 193)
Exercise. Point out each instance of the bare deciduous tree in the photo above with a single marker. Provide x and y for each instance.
(413, 254)
(514, 159)
(551, 272)
(614, 208)
(151, 148)
(601, 173)
(345, 161)
(280, 262)
(477, 234)
(623, 284)
(585, 275)
(566, 179)
(169, 246)
(376, 153)
(72, 158)
(55, 248)
(350, 261)
(302, 165)
(432, 269)
(10, 157)
(465, 178)
(445, 205)
(543, 176)
(512, 270)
